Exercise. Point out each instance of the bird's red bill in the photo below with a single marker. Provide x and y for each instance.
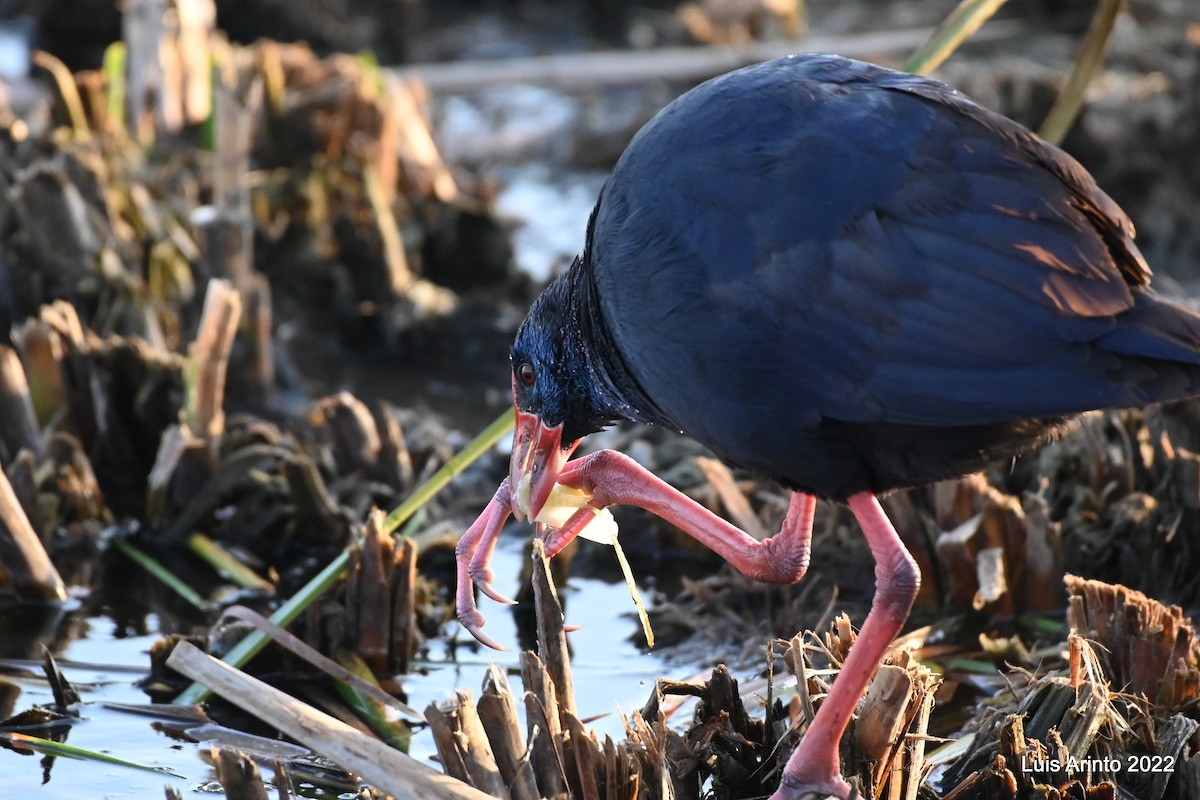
(537, 459)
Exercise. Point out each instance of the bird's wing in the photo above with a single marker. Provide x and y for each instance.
(895, 254)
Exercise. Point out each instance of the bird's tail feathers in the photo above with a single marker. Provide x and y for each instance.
(1157, 344)
(1156, 328)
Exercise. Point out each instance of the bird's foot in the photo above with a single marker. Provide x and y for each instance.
(812, 788)
(472, 555)
(473, 621)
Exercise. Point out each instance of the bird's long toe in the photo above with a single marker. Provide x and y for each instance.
(472, 556)
(473, 620)
(555, 539)
(483, 579)
(479, 567)
(468, 614)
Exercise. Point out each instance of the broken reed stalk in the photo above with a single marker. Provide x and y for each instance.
(722, 481)
(208, 361)
(195, 22)
(498, 713)
(294, 645)
(918, 766)
(383, 767)
(228, 234)
(367, 591)
(579, 748)
(67, 90)
(42, 352)
(143, 31)
(482, 744)
(544, 730)
(30, 574)
(470, 741)
(552, 636)
(400, 275)
(405, 625)
(379, 600)
(495, 756)
(1032, 730)
(881, 720)
(560, 758)
(1146, 647)
(237, 774)
(18, 422)
(890, 727)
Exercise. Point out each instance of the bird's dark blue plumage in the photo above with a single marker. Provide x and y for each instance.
(848, 279)
(851, 279)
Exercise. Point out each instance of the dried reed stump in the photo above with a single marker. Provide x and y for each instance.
(1119, 719)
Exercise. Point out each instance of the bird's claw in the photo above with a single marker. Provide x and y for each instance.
(482, 575)
(485, 586)
(473, 621)
(472, 555)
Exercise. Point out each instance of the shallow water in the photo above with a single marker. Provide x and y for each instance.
(610, 671)
(553, 208)
(106, 667)
(109, 669)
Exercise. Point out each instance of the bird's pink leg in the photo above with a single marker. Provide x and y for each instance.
(613, 478)
(814, 767)
(472, 554)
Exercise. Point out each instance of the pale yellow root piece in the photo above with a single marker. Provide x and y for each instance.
(562, 503)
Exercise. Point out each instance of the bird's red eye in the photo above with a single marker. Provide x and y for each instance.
(526, 374)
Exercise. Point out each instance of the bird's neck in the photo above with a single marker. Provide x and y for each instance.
(615, 390)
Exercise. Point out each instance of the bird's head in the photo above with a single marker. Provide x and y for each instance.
(554, 395)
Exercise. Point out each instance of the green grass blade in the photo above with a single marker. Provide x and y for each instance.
(247, 648)
(226, 565)
(162, 573)
(962, 23)
(1091, 54)
(372, 70)
(486, 439)
(379, 717)
(52, 748)
(114, 78)
(1045, 625)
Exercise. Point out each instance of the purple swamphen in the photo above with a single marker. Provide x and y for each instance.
(847, 279)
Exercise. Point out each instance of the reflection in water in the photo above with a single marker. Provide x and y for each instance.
(26, 628)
